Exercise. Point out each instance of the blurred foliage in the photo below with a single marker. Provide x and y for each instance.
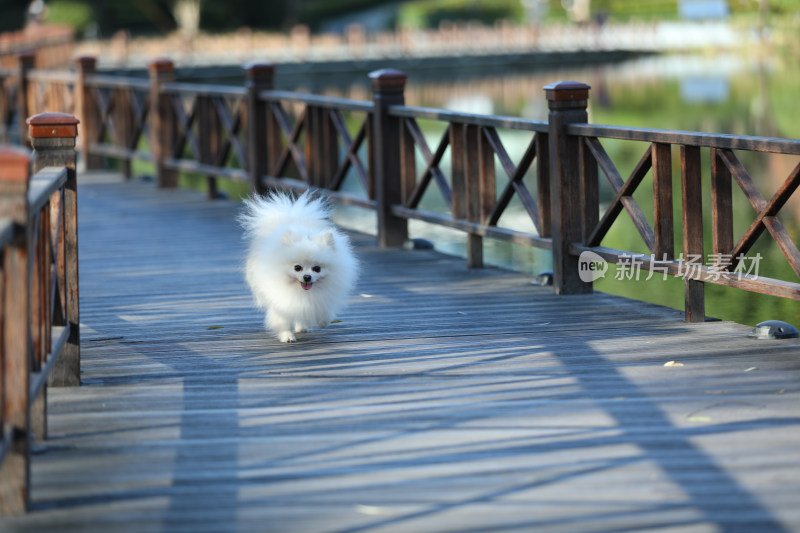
(430, 13)
(76, 13)
(623, 10)
(147, 17)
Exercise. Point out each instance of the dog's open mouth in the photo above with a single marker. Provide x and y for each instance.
(306, 284)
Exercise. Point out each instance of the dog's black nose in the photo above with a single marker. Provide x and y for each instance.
(306, 278)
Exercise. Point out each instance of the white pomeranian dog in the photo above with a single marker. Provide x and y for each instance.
(300, 267)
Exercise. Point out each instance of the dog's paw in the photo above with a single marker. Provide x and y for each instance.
(287, 336)
(300, 329)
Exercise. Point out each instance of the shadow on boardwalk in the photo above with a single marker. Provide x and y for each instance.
(444, 400)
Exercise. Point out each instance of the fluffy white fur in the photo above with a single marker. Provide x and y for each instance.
(300, 267)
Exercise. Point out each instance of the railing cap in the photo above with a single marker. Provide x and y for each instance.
(27, 57)
(14, 164)
(53, 125)
(161, 64)
(86, 61)
(567, 90)
(388, 78)
(259, 69)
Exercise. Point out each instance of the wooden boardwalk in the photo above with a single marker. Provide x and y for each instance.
(445, 400)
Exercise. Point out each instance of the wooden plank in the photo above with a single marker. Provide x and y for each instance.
(689, 138)
(474, 228)
(721, 205)
(589, 195)
(543, 184)
(291, 151)
(491, 136)
(692, 210)
(458, 207)
(15, 469)
(446, 399)
(232, 122)
(475, 192)
(487, 179)
(408, 162)
(515, 174)
(42, 187)
(351, 158)
(766, 218)
(472, 119)
(316, 100)
(432, 161)
(736, 169)
(624, 195)
(664, 239)
(208, 140)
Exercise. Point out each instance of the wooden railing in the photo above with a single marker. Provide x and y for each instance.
(50, 44)
(728, 252)
(26, 90)
(476, 153)
(39, 316)
(272, 138)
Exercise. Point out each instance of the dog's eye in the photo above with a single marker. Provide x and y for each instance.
(316, 269)
(298, 268)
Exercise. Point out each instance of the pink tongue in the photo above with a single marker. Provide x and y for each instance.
(306, 286)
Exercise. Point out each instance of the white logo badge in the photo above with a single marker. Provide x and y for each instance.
(591, 266)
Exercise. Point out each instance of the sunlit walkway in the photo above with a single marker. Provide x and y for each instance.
(443, 400)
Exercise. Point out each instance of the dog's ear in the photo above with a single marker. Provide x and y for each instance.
(326, 239)
(288, 237)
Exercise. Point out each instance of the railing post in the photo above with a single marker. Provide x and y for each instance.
(567, 101)
(123, 126)
(387, 90)
(6, 108)
(16, 335)
(209, 139)
(53, 138)
(263, 139)
(162, 121)
(25, 63)
(480, 191)
(466, 184)
(692, 206)
(663, 224)
(87, 112)
(321, 148)
(543, 182)
(722, 206)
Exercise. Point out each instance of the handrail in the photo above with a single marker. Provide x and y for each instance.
(201, 89)
(43, 185)
(512, 123)
(51, 76)
(117, 82)
(39, 329)
(327, 102)
(689, 138)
